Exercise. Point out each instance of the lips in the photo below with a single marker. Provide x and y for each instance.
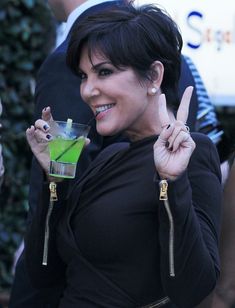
(103, 108)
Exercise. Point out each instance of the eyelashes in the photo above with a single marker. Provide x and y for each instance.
(102, 72)
(81, 75)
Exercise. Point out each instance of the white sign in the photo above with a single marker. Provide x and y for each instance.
(208, 30)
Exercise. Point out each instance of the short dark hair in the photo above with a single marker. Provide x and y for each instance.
(133, 37)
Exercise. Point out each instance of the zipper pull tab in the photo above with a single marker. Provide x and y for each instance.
(163, 190)
(53, 197)
(53, 193)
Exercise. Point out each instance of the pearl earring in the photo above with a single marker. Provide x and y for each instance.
(154, 90)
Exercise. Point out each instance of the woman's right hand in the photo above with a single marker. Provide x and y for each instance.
(38, 136)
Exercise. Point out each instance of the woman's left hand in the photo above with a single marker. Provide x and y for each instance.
(174, 146)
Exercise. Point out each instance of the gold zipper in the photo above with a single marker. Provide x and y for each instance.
(163, 190)
(53, 198)
(53, 193)
(164, 197)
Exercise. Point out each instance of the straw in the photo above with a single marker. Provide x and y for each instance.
(66, 150)
(93, 118)
(69, 125)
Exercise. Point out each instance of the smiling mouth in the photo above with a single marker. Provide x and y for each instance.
(103, 108)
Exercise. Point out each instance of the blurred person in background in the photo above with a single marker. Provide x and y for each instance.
(1, 158)
(224, 295)
(207, 120)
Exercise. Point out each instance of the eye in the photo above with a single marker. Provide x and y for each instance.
(105, 72)
(82, 75)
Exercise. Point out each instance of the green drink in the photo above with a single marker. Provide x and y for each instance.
(65, 148)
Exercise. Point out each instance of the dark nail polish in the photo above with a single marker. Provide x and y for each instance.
(48, 136)
(45, 127)
(168, 126)
(45, 109)
(167, 144)
(170, 149)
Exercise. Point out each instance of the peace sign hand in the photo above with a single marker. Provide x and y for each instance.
(174, 146)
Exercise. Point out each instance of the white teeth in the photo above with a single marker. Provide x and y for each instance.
(103, 108)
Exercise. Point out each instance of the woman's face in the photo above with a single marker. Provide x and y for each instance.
(117, 95)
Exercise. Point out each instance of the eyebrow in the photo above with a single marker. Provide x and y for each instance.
(97, 66)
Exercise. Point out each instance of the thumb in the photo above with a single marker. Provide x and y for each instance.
(87, 142)
(30, 136)
(166, 133)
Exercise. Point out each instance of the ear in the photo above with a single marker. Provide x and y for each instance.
(157, 72)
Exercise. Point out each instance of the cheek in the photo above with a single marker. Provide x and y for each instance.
(82, 93)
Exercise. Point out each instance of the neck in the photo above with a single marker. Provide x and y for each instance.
(149, 123)
(71, 5)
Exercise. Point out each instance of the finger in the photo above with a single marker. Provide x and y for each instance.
(46, 115)
(163, 113)
(183, 140)
(178, 127)
(87, 141)
(30, 135)
(164, 136)
(41, 136)
(42, 125)
(183, 110)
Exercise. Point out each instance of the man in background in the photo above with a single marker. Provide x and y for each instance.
(1, 159)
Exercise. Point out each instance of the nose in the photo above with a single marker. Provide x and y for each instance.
(89, 90)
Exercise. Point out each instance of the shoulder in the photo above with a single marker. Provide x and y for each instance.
(203, 142)
(111, 150)
(205, 154)
(56, 59)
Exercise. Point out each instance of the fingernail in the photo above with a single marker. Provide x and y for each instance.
(48, 136)
(45, 127)
(45, 109)
(168, 126)
(167, 144)
(170, 149)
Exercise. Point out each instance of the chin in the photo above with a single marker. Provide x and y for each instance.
(106, 132)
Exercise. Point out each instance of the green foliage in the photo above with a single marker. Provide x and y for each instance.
(26, 37)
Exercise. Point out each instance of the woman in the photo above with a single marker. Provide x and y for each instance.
(141, 226)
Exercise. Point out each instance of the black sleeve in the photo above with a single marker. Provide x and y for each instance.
(194, 200)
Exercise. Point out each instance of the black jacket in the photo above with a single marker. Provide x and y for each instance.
(111, 241)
